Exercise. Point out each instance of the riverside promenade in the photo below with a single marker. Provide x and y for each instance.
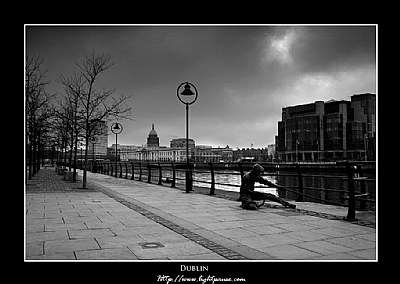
(121, 219)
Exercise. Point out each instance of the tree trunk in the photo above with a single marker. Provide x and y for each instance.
(86, 161)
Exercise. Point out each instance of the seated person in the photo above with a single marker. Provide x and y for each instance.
(247, 194)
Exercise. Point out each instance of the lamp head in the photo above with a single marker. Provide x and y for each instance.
(187, 91)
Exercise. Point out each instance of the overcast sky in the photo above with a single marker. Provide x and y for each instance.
(245, 75)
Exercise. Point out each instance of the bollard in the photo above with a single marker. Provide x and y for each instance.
(212, 188)
(120, 170)
(351, 213)
(126, 170)
(112, 169)
(299, 184)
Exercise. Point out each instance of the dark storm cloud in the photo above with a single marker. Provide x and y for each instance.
(323, 48)
(244, 74)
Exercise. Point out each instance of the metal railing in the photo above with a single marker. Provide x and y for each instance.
(353, 189)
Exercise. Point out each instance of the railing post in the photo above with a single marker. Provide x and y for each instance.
(212, 189)
(120, 170)
(351, 213)
(173, 175)
(159, 174)
(112, 169)
(133, 172)
(190, 180)
(363, 203)
(126, 170)
(140, 172)
(241, 171)
(299, 183)
(149, 173)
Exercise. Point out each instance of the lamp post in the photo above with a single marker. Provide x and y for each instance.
(185, 98)
(116, 128)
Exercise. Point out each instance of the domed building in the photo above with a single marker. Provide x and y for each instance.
(152, 139)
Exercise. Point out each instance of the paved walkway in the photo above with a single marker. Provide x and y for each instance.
(119, 219)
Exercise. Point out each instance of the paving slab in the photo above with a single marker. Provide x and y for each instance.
(288, 230)
(119, 219)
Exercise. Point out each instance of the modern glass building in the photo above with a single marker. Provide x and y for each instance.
(326, 131)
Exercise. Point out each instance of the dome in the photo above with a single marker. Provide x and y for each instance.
(153, 132)
(152, 139)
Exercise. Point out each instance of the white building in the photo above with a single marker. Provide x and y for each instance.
(160, 154)
(151, 151)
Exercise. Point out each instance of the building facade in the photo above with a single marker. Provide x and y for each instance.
(152, 151)
(205, 153)
(97, 147)
(181, 143)
(326, 131)
(251, 155)
(271, 152)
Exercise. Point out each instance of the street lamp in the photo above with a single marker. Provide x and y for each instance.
(185, 98)
(116, 128)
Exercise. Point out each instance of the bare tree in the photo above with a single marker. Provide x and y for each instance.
(95, 105)
(70, 110)
(37, 110)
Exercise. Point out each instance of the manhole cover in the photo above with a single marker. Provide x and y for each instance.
(151, 245)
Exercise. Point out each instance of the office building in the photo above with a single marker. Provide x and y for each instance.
(97, 147)
(326, 131)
